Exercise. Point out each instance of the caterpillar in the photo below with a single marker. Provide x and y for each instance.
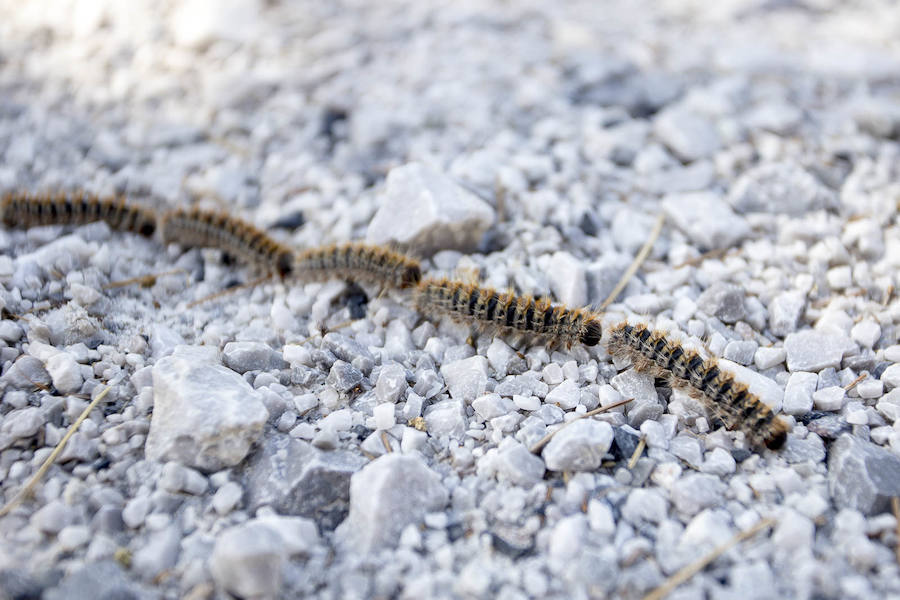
(506, 312)
(201, 228)
(359, 262)
(24, 210)
(725, 397)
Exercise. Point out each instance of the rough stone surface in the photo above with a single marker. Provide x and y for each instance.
(427, 210)
(779, 188)
(813, 351)
(295, 478)
(205, 416)
(388, 494)
(706, 219)
(580, 446)
(861, 475)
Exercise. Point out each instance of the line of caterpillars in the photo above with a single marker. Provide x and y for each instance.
(491, 311)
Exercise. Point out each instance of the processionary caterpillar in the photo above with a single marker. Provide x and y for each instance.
(201, 228)
(359, 262)
(506, 312)
(725, 397)
(24, 210)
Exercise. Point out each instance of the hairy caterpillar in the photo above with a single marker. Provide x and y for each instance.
(24, 210)
(508, 313)
(200, 228)
(725, 397)
(359, 262)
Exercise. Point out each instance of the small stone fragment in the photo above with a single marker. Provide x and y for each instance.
(204, 416)
(466, 379)
(724, 301)
(424, 209)
(862, 475)
(579, 446)
(779, 188)
(785, 311)
(813, 351)
(798, 394)
(388, 494)
(706, 219)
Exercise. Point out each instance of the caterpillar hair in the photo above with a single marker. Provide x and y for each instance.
(506, 312)
(358, 262)
(723, 396)
(195, 227)
(24, 210)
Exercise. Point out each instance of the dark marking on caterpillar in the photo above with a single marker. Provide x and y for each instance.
(195, 227)
(358, 262)
(724, 397)
(506, 312)
(24, 210)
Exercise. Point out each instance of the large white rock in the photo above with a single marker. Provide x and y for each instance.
(423, 208)
(204, 416)
(579, 446)
(390, 493)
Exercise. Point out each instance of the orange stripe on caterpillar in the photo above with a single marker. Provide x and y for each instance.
(195, 227)
(359, 262)
(722, 395)
(506, 312)
(24, 210)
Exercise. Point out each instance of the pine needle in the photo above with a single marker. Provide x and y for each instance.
(636, 263)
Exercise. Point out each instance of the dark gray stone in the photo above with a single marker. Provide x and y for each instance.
(861, 475)
(724, 301)
(344, 376)
(297, 479)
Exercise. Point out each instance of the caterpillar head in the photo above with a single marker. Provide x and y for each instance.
(411, 276)
(591, 332)
(777, 436)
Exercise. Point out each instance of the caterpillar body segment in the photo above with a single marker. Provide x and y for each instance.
(201, 228)
(723, 396)
(358, 262)
(506, 312)
(24, 210)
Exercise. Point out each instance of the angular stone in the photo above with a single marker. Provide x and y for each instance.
(706, 219)
(446, 418)
(247, 560)
(694, 492)
(344, 376)
(466, 379)
(688, 134)
(812, 350)
(579, 446)
(517, 464)
(251, 356)
(204, 416)
(391, 492)
(424, 209)
(798, 394)
(785, 311)
(862, 476)
(105, 579)
(779, 188)
(724, 301)
(295, 478)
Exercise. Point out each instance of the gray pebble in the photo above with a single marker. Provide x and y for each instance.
(862, 475)
(779, 188)
(813, 350)
(297, 479)
(723, 301)
(785, 311)
(344, 376)
(517, 464)
(250, 356)
(23, 422)
(204, 416)
(424, 209)
(466, 379)
(158, 552)
(798, 394)
(695, 491)
(644, 505)
(706, 219)
(388, 494)
(579, 446)
(248, 559)
(688, 134)
(766, 358)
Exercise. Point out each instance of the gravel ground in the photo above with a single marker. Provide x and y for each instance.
(252, 446)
